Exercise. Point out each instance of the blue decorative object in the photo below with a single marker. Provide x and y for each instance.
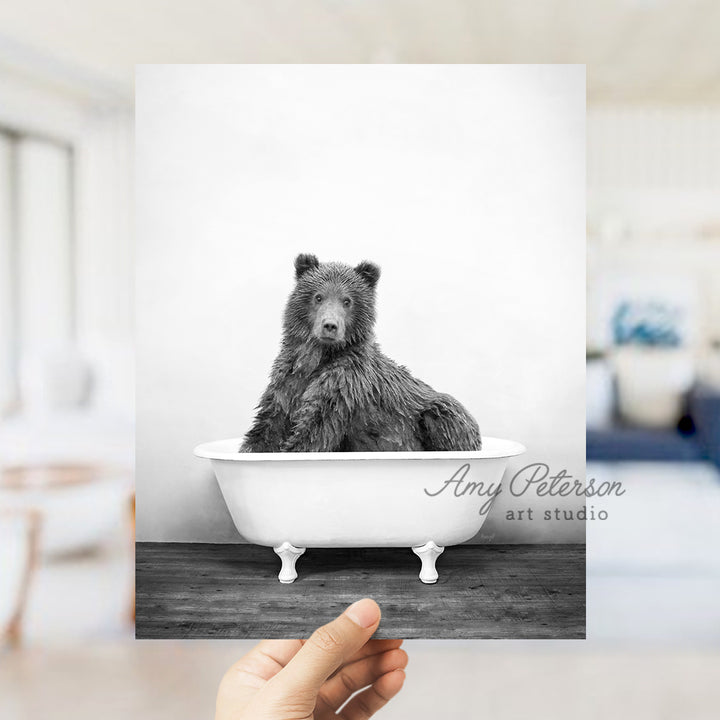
(652, 324)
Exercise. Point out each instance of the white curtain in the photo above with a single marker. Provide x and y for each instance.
(8, 387)
(45, 264)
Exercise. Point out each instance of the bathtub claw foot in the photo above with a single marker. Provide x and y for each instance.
(289, 554)
(428, 554)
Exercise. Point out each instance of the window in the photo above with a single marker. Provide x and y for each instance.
(37, 264)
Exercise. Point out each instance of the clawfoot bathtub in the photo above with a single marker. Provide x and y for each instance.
(420, 500)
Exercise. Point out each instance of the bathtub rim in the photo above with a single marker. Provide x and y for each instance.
(228, 450)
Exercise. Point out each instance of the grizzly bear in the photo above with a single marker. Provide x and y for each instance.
(331, 387)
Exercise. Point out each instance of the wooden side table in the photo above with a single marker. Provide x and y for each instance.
(25, 527)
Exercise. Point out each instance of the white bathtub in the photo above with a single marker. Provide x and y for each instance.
(294, 501)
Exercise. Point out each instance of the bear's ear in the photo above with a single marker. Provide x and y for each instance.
(303, 263)
(369, 272)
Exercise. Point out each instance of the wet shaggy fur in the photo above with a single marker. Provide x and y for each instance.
(331, 387)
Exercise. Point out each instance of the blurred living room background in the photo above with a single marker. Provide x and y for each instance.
(653, 368)
(66, 353)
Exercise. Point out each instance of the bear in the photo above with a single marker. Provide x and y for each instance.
(331, 387)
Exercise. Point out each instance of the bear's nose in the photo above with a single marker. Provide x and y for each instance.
(330, 327)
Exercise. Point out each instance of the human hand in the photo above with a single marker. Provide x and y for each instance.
(312, 679)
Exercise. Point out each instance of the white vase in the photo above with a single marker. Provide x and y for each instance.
(599, 394)
(652, 383)
(710, 369)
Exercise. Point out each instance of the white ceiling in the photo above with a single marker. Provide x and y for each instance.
(635, 50)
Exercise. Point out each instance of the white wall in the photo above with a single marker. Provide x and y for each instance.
(653, 212)
(105, 255)
(465, 183)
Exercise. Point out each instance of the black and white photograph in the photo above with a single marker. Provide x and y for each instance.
(360, 310)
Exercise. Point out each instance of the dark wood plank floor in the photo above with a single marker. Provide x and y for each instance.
(190, 590)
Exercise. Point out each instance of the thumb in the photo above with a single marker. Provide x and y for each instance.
(328, 648)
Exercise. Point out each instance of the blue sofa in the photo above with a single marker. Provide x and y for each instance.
(696, 438)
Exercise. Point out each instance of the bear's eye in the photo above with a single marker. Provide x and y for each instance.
(318, 298)
(347, 302)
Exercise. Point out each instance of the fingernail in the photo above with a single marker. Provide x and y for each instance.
(364, 613)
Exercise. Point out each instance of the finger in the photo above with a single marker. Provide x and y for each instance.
(371, 647)
(358, 675)
(328, 648)
(365, 704)
(281, 651)
(244, 677)
(263, 662)
(374, 647)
